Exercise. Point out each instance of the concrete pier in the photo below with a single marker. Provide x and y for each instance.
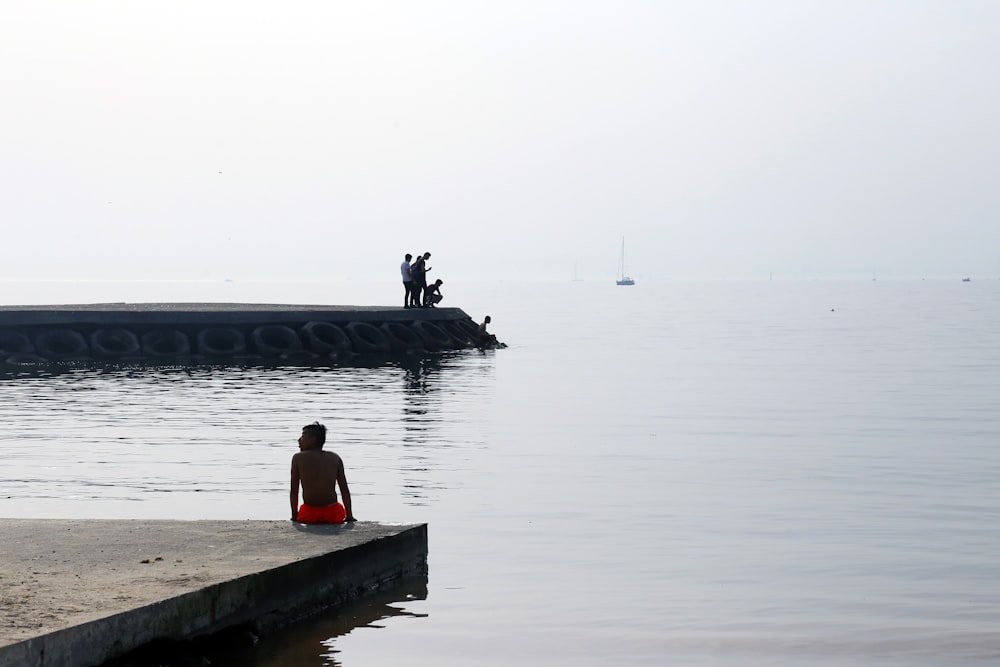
(84, 592)
(224, 333)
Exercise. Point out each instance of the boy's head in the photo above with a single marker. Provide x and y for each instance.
(313, 436)
(408, 257)
(487, 320)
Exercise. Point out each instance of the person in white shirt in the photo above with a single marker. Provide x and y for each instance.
(404, 268)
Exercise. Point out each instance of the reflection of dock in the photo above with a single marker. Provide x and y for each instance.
(193, 333)
(83, 592)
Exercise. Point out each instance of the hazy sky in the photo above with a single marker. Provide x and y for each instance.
(515, 140)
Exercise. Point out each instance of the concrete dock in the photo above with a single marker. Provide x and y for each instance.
(84, 592)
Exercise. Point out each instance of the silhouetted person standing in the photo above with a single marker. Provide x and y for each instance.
(419, 271)
(404, 269)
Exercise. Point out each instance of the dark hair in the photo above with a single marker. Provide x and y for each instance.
(318, 430)
(408, 257)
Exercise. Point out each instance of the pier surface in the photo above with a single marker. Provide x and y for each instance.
(82, 592)
(216, 313)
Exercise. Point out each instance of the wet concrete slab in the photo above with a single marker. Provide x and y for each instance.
(81, 592)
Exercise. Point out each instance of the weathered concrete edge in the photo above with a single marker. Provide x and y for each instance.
(265, 600)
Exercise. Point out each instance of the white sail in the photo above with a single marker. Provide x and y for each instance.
(622, 278)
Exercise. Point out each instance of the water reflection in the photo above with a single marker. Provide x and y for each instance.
(420, 383)
(177, 442)
(436, 390)
(313, 643)
(60, 368)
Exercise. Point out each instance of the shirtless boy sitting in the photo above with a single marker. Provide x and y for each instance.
(319, 473)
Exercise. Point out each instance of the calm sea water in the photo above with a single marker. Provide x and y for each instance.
(737, 473)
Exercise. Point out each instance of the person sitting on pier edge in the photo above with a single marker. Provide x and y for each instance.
(404, 269)
(319, 473)
(486, 339)
(432, 294)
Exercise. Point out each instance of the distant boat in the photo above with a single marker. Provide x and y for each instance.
(966, 280)
(623, 279)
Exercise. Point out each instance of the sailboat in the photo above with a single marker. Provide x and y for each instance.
(623, 279)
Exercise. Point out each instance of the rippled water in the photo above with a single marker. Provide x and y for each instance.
(679, 473)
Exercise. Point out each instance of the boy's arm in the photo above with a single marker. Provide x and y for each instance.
(345, 492)
(293, 496)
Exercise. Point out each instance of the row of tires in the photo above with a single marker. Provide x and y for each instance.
(311, 340)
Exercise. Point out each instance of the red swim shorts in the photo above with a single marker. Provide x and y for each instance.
(334, 513)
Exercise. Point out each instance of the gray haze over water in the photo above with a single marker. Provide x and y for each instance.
(518, 140)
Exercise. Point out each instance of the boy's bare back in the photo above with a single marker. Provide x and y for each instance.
(317, 471)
